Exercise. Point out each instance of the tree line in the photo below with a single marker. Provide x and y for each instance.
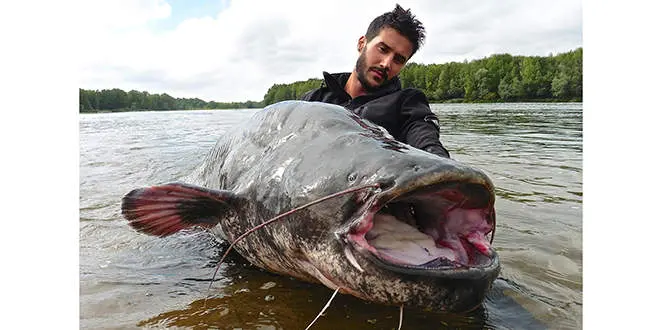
(500, 77)
(118, 100)
(497, 78)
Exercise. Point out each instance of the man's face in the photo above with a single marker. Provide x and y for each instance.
(382, 58)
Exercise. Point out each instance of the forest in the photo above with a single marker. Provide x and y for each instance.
(115, 100)
(497, 78)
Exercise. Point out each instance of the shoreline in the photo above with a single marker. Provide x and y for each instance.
(452, 101)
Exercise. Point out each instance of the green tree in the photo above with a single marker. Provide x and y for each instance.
(530, 74)
(561, 86)
(134, 100)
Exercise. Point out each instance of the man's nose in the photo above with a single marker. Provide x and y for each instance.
(386, 62)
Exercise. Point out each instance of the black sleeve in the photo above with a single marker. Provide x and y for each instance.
(311, 95)
(420, 126)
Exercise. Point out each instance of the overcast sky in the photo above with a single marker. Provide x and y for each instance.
(225, 51)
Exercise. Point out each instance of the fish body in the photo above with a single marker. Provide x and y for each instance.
(416, 235)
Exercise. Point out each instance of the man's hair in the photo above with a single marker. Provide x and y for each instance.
(403, 21)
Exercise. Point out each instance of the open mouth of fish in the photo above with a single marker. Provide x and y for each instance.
(438, 230)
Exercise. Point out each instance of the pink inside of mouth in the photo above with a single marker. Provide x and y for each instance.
(437, 230)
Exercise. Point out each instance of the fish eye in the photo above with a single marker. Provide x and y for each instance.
(352, 177)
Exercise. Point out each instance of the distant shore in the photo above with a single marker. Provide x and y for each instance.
(455, 101)
(500, 78)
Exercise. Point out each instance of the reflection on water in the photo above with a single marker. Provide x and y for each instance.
(259, 300)
(532, 152)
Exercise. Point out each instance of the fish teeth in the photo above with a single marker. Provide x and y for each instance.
(351, 259)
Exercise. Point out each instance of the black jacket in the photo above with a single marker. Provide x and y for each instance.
(404, 113)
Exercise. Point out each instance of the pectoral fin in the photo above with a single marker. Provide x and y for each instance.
(166, 209)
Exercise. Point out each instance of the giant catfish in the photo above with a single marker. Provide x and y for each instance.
(419, 235)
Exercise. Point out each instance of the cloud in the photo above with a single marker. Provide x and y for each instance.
(237, 53)
(119, 15)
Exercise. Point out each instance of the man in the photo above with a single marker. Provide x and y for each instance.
(373, 90)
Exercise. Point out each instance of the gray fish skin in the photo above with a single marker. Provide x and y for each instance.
(295, 152)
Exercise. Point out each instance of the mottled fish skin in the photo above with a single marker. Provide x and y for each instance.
(294, 152)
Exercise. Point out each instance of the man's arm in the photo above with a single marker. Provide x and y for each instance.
(420, 128)
(309, 96)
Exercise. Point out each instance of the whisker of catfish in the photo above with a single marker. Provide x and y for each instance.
(324, 308)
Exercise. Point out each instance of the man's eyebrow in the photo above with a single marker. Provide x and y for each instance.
(397, 55)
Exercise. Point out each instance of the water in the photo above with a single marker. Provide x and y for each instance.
(532, 152)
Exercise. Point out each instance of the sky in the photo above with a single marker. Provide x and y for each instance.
(226, 51)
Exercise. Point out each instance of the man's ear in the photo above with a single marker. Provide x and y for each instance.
(362, 42)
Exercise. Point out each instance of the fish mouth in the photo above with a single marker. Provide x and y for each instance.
(438, 230)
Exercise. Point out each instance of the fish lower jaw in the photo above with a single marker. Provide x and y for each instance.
(329, 282)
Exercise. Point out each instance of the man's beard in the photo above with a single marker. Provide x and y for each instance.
(362, 69)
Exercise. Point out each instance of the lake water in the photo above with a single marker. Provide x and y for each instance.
(531, 151)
